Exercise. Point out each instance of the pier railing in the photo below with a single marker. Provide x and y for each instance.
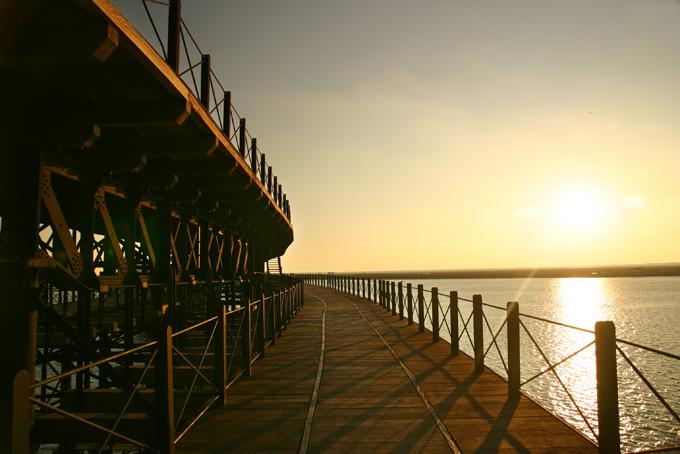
(181, 50)
(444, 316)
(149, 395)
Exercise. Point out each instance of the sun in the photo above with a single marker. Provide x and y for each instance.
(579, 208)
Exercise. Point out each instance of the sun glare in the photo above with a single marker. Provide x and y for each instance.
(579, 208)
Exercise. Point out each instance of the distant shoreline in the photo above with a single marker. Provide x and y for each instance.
(672, 269)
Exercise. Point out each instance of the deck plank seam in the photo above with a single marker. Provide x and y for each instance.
(450, 440)
(304, 442)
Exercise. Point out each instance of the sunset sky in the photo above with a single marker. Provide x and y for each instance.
(459, 134)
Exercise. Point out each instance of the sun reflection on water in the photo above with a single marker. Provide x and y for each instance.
(581, 302)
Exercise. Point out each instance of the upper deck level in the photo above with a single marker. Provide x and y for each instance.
(81, 84)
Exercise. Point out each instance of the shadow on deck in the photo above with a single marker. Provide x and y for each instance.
(366, 400)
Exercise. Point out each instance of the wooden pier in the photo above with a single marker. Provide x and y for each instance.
(382, 386)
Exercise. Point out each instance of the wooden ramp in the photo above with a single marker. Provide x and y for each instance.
(384, 387)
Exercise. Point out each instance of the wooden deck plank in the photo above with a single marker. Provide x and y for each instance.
(366, 401)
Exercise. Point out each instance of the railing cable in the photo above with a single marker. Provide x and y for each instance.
(153, 24)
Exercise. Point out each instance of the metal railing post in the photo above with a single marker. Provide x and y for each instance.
(478, 333)
(607, 388)
(421, 309)
(435, 314)
(453, 318)
(513, 348)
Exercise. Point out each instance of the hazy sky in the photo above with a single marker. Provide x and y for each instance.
(460, 134)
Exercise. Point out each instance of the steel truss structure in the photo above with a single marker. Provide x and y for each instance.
(134, 233)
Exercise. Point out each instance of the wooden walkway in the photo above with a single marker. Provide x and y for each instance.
(367, 401)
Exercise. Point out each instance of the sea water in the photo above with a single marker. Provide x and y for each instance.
(645, 310)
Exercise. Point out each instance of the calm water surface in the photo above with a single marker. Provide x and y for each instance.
(644, 310)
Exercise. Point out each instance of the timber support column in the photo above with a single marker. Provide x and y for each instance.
(19, 214)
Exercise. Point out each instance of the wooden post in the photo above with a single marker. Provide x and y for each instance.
(478, 333)
(220, 363)
(363, 287)
(607, 388)
(174, 27)
(375, 291)
(128, 314)
(247, 338)
(435, 314)
(263, 168)
(421, 309)
(242, 137)
(393, 298)
(386, 295)
(401, 300)
(226, 115)
(253, 155)
(286, 308)
(263, 325)
(385, 304)
(272, 315)
(373, 295)
(21, 413)
(453, 316)
(513, 348)
(409, 303)
(381, 295)
(164, 388)
(269, 179)
(205, 81)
